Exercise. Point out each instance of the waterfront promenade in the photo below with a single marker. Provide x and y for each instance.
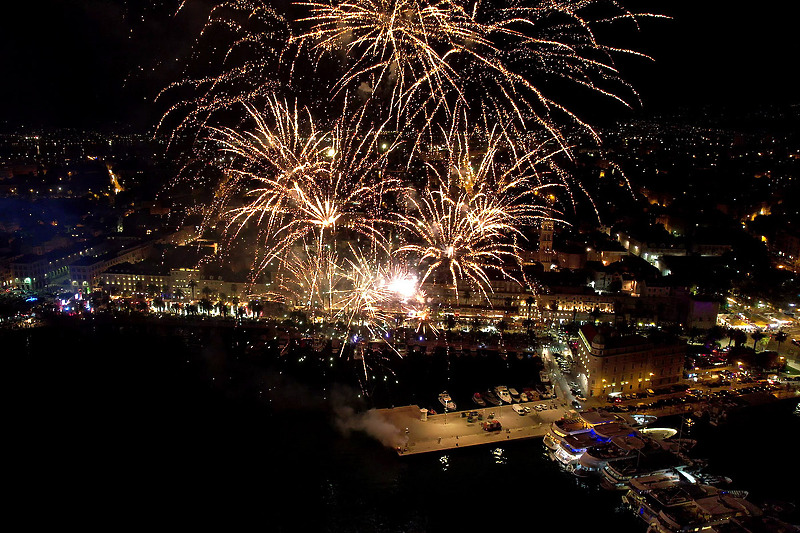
(442, 432)
(449, 431)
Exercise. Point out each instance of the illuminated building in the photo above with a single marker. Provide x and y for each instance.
(610, 362)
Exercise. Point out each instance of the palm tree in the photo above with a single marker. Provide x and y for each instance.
(476, 324)
(178, 293)
(756, 336)
(731, 334)
(529, 301)
(206, 305)
(781, 337)
(739, 337)
(152, 289)
(715, 334)
(192, 285)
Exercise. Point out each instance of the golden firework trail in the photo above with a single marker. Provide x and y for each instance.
(470, 90)
(301, 184)
(432, 56)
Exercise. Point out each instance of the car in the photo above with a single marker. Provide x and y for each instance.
(576, 404)
(520, 410)
(492, 425)
(527, 409)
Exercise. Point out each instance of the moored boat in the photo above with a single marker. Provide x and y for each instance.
(447, 402)
(478, 399)
(491, 398)
(502, 392)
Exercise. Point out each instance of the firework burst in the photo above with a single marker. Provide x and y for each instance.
(466, 85)
(466, 236)
(300, 184)
(432, 56)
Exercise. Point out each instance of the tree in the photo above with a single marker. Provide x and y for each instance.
(714, 335)
(476, 324)
(731, 334)
(528, 323)
(739, 337)
(529, 301)
(781, 337)
(756, 336)
(152, 289)
(206, 305)
(192, 285)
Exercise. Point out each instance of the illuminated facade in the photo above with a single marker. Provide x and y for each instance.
(610, 362)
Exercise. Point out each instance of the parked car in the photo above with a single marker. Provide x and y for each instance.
(492, 425)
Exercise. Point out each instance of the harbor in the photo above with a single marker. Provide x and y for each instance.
(419, 432)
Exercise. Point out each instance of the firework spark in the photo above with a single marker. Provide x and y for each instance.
(434, 55)
(299, 183)
(467, 89)
(465, 236)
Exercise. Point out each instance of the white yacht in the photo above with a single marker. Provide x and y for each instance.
(447, 402)
(503, 394)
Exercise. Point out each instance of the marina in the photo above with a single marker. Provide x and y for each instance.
(417, 432)
(651, 467)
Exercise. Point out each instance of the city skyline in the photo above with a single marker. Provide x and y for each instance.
(393, 228)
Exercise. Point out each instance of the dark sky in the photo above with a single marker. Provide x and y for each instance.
(77, 62)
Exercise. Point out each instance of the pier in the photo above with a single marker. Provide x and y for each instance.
(448, 431)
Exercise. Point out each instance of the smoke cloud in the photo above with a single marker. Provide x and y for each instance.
(347, 419)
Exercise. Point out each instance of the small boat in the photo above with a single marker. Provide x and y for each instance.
(514, 394)
(491, 398)
(447, 402)
(478, 399)
(503, 394)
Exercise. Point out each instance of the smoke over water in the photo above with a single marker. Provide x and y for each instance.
(347, 419)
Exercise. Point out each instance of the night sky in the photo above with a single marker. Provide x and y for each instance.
(93, 63)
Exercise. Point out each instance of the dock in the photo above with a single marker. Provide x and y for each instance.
(447, 431)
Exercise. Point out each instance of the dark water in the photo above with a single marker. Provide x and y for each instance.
(148, 427)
